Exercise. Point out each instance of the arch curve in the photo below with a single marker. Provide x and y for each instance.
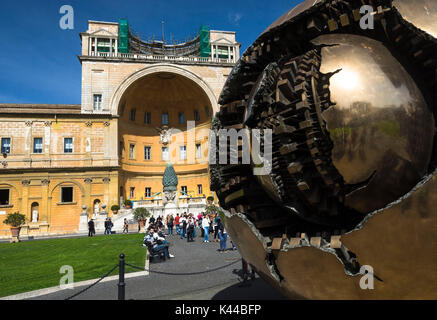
(13, 186)
(159, 68)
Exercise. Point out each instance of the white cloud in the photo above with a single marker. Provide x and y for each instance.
(234, 18)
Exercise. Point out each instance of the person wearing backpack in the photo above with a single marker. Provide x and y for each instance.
(190, 230)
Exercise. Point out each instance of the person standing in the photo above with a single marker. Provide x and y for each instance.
(194, 226)
(184, 226)
(190, 230)
(199, 223)
(176, 220)
(107, 226)
(91, 228)
(152, 220)
(216, 227)
(181, 225)
(170, 224)
(223, 235)
(110, 225)
(205, 226)
(125, 226)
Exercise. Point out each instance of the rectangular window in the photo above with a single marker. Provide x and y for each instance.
(121, 148)
(181, 118)
(199, 189)
(208, 112)
(4, 197)
(184, 190)
(67, 194)
(132, 114)
(37, 145)
(6, 145)
(147, 118)
(148, 192)
(196, 115)
(132, 193)
(164, 119)
(183, 152)
(97, 102)
(198, 151)
(68, 145)
(147, 153)
(131, 151)
(165, 154)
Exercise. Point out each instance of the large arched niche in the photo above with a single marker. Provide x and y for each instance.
(119, 95)
(157, 90)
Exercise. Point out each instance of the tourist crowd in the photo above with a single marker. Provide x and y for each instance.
(186, 226)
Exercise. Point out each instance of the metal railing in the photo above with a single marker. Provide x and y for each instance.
(174, 59)
(121, 285)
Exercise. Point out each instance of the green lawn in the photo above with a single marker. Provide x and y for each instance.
(34, 265)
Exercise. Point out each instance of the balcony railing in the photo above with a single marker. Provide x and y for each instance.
(175, 59)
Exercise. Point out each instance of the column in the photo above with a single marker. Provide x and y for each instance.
(110, 47)
(88, 146)
(212, 51)
(28, 140)
(87, 197)
(25, 199)
(110, 151)
(113, 190)
(89, 45)
(44, 207)
(229, 54)
(116, 47)
(47, 138)
(106, 198)
(95, 46)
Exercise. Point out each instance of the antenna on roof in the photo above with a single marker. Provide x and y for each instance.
(163, 40)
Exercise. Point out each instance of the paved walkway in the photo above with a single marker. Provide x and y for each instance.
(223, 284)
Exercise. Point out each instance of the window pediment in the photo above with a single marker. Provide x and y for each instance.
(102, 33)
(223, 41)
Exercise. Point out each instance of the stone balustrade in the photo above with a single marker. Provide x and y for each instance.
(174, 59)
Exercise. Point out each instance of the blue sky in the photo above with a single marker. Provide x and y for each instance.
(38, 60)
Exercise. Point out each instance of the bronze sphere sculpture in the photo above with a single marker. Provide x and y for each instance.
(351, 184)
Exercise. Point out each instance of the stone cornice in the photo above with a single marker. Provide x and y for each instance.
(150, 61)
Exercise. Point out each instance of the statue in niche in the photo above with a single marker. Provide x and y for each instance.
(96, 207)
(35, 216)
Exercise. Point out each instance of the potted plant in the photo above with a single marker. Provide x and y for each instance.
(115, 209)
(141, 215)
(15, 220)
(128, 204)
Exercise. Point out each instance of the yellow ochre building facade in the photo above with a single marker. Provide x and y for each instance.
(144, 104)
